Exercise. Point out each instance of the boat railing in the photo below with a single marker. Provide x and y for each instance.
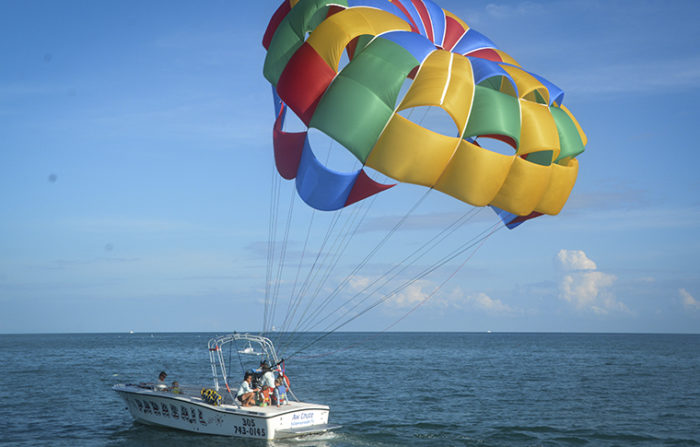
(265, 350)
(218, 362)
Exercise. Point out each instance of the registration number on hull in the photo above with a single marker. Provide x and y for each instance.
(248, 428)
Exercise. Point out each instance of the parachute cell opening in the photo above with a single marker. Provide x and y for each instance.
(432, 118)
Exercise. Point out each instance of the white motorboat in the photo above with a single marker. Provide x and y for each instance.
(186, 408)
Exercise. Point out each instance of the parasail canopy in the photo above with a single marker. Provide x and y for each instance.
(484, 91)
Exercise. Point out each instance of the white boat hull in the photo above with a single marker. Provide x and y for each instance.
(193, 414)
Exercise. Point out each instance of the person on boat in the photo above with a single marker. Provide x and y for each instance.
(175, 388)
(246, 392)
(280, 392)
(161, 385)
(267, 383)
(268, 377)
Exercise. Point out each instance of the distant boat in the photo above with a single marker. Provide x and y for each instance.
(131, 332)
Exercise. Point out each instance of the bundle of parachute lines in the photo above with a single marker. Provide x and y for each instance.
(485, 92)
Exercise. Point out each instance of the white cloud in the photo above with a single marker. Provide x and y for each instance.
(413, 294)
(420, 292)
(689, 302)
(409, 296)
(575, 260)
(359, 282)
(490, 305)
(584, 287)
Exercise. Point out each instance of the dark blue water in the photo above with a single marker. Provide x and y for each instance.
(396, 389)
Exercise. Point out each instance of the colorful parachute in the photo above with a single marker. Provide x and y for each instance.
(484, 91)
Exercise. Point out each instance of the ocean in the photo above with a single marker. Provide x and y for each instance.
(388, 389)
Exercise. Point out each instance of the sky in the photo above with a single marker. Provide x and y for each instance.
(136, 176)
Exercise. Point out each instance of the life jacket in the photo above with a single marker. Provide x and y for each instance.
(210, 396)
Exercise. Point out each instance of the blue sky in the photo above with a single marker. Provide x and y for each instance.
(135, 151)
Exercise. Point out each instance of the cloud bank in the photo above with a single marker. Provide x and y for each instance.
(420, 291)
(482, 301)
(584, 286)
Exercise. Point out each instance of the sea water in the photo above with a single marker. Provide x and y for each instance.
(388, 389)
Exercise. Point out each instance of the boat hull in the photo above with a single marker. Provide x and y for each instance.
(192, 414)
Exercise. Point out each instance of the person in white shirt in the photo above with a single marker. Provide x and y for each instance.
(161, 385)
(246, 392)
(266, 380)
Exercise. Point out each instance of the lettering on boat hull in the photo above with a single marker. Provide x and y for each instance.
(151, 408)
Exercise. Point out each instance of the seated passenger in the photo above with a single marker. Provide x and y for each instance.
(280, 392)
(161, 385)
(246, 392)
(175, 388)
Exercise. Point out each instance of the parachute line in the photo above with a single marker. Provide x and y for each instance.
(301, 261)
(403, 265)
(474, 242)
(272, 230)
(410, 311)
(333, 254)
(405, 284)
(359, 266)
(305, 316)
(312, 270)
(280, 266)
